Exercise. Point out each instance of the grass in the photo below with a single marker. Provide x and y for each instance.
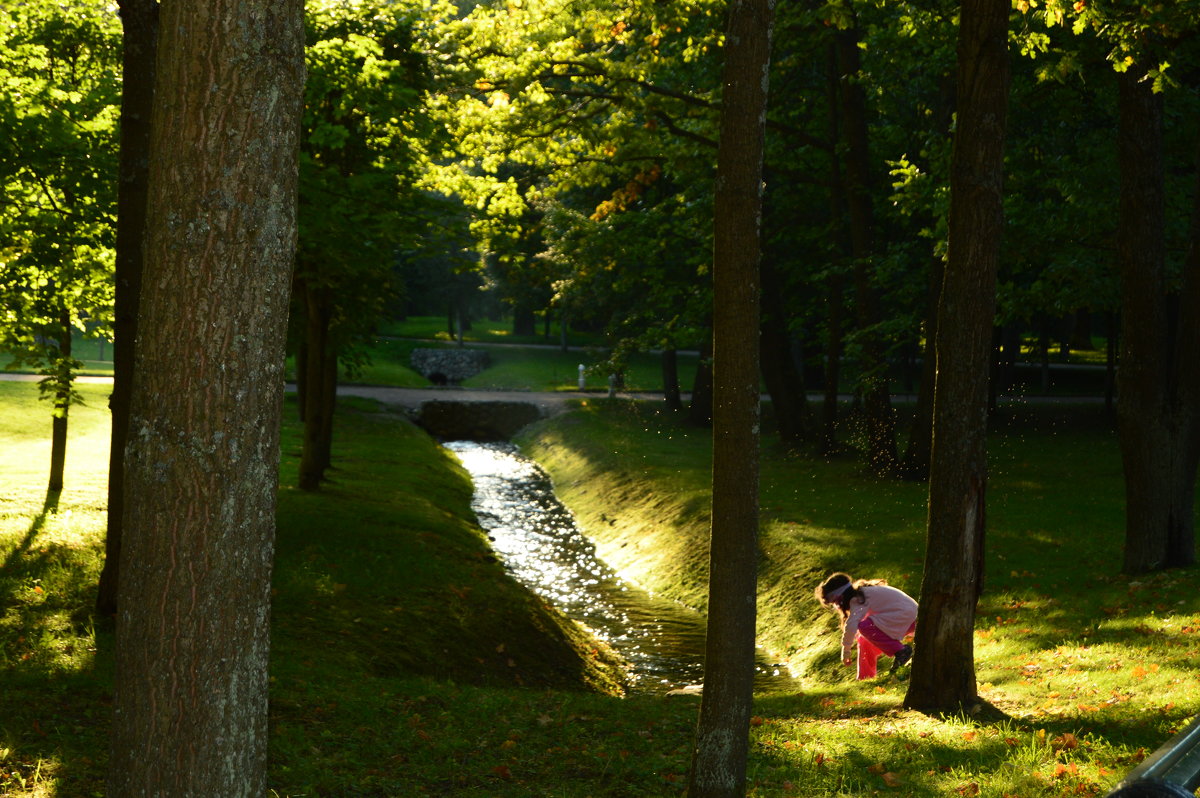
(404, 663)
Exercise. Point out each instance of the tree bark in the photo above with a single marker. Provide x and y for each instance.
(722, 734)
(190, 715)
(943, 674)
(1157, 380)
(139, 23)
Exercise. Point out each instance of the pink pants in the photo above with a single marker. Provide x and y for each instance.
(872, 644)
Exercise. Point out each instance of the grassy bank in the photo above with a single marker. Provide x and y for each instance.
(404, 664)
(1081, 669)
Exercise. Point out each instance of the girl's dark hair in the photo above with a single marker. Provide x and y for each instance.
(832, 583)
(837, 580)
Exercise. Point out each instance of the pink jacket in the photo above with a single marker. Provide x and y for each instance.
(892, 610)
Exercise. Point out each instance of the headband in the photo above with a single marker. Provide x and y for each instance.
(837, 591)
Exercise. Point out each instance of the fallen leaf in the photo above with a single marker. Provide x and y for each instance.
(891, 779)
(879, 767)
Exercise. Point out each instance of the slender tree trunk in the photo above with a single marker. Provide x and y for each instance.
(700, 409)
(915, 464)
(329, 382)
(943, 674)
(876, 396)
(139, 24)
(835, 283)
(784, 380)
(722, 734)
(1157, 381)
(62, 405)
(670, 375)
(316, 409)
(193, 629)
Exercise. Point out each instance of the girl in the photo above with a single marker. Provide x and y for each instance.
(876, 616)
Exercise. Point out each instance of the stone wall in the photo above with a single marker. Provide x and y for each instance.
(448, 366)
(475, 421)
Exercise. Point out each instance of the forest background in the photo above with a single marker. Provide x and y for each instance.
(561, 157)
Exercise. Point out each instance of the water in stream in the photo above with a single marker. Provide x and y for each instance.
(537, 539)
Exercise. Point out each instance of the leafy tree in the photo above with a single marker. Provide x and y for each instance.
(193, 629)
(943, 675)
(57, 150)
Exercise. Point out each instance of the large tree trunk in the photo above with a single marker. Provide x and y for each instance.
(943, 675)
(1157, 379)
(139, 24)
(873, 388)
(722, 734)
(193, 624)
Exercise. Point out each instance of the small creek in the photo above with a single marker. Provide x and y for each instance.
(536, 538)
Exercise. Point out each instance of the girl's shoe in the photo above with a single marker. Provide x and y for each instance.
(901, 658)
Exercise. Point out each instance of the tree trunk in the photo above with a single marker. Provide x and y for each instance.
(670, 374)
(62, 405)
(1157, 379)
(700, 410)
(139, 24)
(876, 396)
(317, 319)
(190, 715)
(722, 734)
(943, 674)
(329, 382)
(834, 283)
(915, 464)
(524, 322)
(783, 379)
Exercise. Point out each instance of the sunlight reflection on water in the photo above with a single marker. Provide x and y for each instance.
(537, 539)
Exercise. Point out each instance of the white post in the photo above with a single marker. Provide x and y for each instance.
(582, 384)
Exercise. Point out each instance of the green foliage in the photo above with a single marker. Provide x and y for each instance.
(364, 137)
(58, 123)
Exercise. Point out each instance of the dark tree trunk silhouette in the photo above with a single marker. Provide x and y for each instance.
(700, 409)
(783, 379)
(193, 628)
(319, 359)
(915, 463)
(722, 734)
(670, 375)
(873, 387)
(1158, 382)
(943, 671)
(139, 25)
(62, 405)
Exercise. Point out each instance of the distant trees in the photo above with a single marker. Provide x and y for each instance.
(194, 599)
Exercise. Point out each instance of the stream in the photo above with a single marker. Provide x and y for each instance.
(536, 538)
